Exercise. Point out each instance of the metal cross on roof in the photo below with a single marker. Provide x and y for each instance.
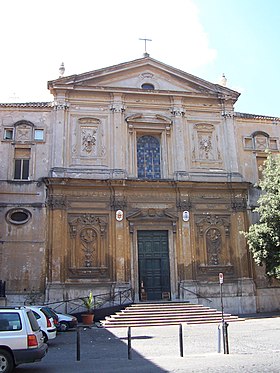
(145, 40)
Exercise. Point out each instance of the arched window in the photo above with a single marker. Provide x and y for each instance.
(148, 157)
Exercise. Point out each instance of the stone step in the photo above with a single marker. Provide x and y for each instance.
(120, 324)
(166, 309)
(166, 312)
(166, 317)
(161, 314)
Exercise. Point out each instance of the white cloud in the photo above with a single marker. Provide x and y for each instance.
(89, 34)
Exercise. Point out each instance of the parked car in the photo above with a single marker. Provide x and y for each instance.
(51, 313)
(66, 322)
(45, 321)
(63, 321)
(21, 340)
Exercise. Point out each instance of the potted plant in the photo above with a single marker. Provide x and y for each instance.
(87, 318)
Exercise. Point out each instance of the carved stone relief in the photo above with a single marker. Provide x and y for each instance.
(213, 239)
(261, 143)
(23, 133)
(205, 144)
(213, 246)
(87, 139)
(152, 215)
(57, 202)
(88, 242)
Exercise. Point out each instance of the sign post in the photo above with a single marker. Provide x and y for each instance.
(221, 280)
(224, 324)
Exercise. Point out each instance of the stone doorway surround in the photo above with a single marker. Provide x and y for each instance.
(153, 219)
(153, 262)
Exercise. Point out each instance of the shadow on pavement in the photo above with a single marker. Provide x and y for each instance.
(100, 351)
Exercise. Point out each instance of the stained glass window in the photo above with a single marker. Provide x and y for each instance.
(148, 157)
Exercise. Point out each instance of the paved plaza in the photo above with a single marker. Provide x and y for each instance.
(254, 346)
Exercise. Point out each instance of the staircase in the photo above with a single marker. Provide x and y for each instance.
(160, 314)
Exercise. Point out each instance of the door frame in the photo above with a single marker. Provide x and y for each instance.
(168, 254)
(172, 266)
(144, 220)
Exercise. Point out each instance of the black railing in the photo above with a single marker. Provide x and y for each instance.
(115, 298)
(2, 289)
(180, 286)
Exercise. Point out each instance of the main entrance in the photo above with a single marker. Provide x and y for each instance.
(153, 261)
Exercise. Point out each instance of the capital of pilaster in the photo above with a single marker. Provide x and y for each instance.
(117, 107)
(60, 105)
(227, 114)
(178, 111)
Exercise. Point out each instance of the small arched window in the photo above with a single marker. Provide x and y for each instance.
(147, 86)
(148, 157)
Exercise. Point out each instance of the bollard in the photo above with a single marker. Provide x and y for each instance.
(129, 343)
(78, 344)
(225, 337)
(78, 340)
(181, 340)
(219, 338)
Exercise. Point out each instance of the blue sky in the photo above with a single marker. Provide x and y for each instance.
(207, 38)
(246, 35)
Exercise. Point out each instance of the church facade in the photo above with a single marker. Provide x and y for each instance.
(137, 176)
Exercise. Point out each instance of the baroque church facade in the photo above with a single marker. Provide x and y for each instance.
(137, 176)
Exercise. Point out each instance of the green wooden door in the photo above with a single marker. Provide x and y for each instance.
(153, 260)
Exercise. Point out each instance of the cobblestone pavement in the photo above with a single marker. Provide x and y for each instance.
(254, 346)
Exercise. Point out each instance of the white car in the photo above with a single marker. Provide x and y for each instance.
(45, 322)
(66, 322)
(21, 340)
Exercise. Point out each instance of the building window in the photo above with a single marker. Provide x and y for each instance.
(22, 159)
(147, 86)
(18, 216)
(8, 134)
(260, 164)
(148, 157)
(39, 135)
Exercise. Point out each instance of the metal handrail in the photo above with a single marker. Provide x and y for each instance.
(180, 286)
(99, 301)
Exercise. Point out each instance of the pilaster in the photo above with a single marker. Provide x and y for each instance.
(60, 107)
(178, 113)
(119, 141)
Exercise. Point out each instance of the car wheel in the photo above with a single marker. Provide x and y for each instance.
(6, 362)
(64, 326)
(45, 337)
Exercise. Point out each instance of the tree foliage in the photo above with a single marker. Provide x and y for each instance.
(264, 237)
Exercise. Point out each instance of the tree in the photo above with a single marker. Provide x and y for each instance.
(264, 237)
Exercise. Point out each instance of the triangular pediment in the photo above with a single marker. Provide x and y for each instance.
(130, 76)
